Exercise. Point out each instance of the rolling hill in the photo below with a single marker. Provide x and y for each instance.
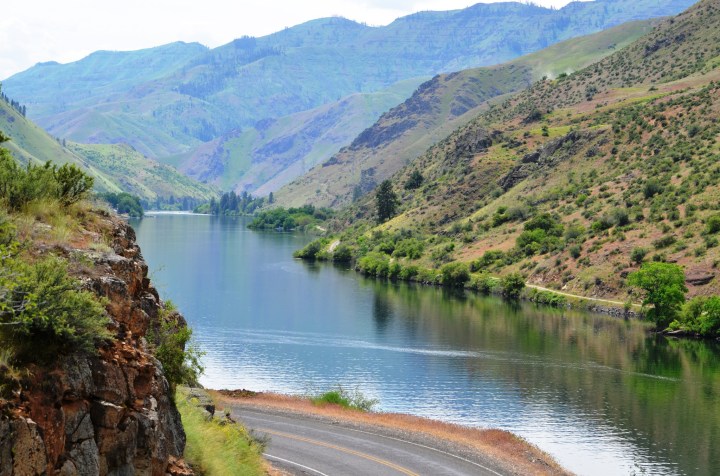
(116, 168)
(167, 101)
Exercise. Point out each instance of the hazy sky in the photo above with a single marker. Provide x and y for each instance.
(42, 30)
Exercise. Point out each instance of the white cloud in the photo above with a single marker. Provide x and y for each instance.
(42, 30)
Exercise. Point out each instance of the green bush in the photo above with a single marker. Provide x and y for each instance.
(342, 254)
(713, 224)
(455, 274)
(311, 250)
(700, 315)
(483, 283)
(171, 341)
(637, 255)
(412, 248)
(44, 311)
(512, 286)
(20, 186)
(547, 298)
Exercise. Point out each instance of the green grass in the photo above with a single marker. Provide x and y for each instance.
(214, 448)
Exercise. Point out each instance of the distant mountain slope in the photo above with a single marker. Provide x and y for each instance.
(263, 158)
(619, 159)
(167, 106)
(115, 168)
(437, 108)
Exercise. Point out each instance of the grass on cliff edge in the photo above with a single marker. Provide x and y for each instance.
(217, 449)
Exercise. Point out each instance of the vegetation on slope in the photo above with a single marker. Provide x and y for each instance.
(437, 108)
(217, 447)
(576, 182)
(115, 168)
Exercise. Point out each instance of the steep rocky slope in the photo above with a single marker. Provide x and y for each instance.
(110, 413)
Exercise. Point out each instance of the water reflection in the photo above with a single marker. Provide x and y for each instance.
(601, 394)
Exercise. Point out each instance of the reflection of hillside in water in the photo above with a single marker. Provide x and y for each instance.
(659, 393)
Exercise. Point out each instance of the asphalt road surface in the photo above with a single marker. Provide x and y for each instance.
(305, 446)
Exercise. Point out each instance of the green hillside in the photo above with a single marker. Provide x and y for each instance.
(116, 168)
(576, 181)
(168, 101)
(136, 174)
(265, 157)
(436, 109)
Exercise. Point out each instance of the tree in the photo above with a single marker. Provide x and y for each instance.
(271, 198)
(664, 287)
(386, 201)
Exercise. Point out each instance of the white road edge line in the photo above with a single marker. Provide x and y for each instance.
(283, 460)
(410, 443)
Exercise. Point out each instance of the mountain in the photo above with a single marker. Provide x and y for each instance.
(265, 157)
(170, 100)
(116, 168)
(614, 164)
(437, 108)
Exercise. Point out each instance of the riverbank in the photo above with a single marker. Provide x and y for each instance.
(501, 449)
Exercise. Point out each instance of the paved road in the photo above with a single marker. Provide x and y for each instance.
(305, 446)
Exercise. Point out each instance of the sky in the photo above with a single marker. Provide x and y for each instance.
(33, 31)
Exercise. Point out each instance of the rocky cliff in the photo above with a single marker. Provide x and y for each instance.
(110, 413)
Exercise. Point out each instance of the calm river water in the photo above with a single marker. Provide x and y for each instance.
(600, 394)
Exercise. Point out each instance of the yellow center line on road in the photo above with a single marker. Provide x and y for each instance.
(340, 448)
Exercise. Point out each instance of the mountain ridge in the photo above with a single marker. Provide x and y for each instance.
(208, 93)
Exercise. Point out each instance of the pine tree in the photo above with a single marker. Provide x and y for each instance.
(386, 201)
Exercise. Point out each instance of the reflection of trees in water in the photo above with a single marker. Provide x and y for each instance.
(382, 312)
(661, 394)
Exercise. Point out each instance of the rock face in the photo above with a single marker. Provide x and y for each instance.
(106, 414)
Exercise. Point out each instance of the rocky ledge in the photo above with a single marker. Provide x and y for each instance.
(105, 414)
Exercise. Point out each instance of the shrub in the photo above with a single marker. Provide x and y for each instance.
(44, 310)
(713, 224)
(575, 251)
(652, 187)
(411, 248)
(72, 184)
(342, 254)
(311, 250)
(171, 339)
(489, 258)
(455, 274)
(414, 181)
(637, 255)
(547, 298)
(701, 315)
(664, 242)
(512, 285)
(483, 283)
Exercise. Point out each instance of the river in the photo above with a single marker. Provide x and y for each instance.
(602, 395)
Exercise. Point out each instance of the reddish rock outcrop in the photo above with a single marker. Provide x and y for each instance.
(109, 413)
